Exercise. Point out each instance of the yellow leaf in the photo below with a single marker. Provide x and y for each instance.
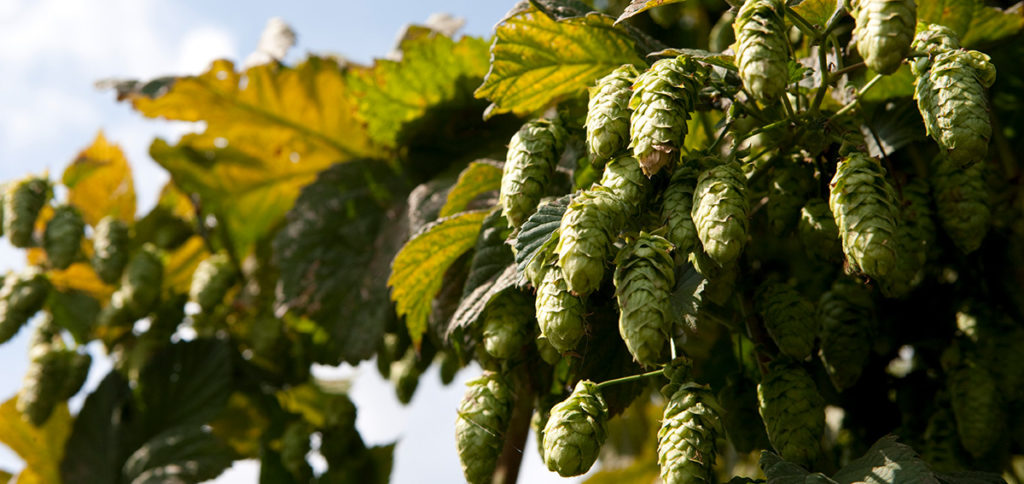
(478, 178)
(99, 183)
(182, 262)
(41, 448)
(79, 276)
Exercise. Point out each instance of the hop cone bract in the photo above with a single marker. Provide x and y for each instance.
(884, 31)
(866, 211)
(720, 210)
(817, 229)
(625, 179)
(962, 199)
(663, 98)
(576, 430)
(559, 313)
(977, 407)
(793, 412)
(22, 295)
(532, 156)
(587, 231)
(110, 248)
(508, 324)
(788, 317)
(846, 313)
(63, 236)
(676, 204)
(211, 281)
(480, 427)
(644, 278)
(687, 439)
(762, 48)
(22, 202)
(608, 113)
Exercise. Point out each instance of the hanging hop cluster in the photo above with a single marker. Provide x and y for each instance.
(576, 430)
(977, 407)
(687, 440)
(559, 313)
(788, 317)
(644, 278)
(720, 211)
(762, 48)
(22, 202)
(962, 200)
(508, 323)
(793, 412)
(483, 418)
(846, 313)
(884, 30)
(663, 98)
(211, 281)
(676, 204)
(140, 288)
(404, 374)
(950, 91)
(588, 229)
(22, 295)
(63, 236)
(608, 113)
(866, 212)
(530, 163)
(54, 374)
(110, 248)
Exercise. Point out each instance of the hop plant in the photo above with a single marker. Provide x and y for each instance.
(483, 418)
(587, 231)
(22, 202)
(624, 178)
(720, 210)
(884, 30)
(576, 430)
(110, 249)
(788, 317)
(866, 212)
(962, 199)
(644, 278)
(977, 407)
(22, 295)
(63, 236)
(663, 98)
(676, 204)
(559, 312)
(211, 281)
(449, 365)
(762, 48)
(950, 91)
(608, 113)
(847, 315)
(529, 165)
(793, 412)
(687, 439)
(508, 324)
(817, 230)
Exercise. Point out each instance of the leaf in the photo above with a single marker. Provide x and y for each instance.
(383, 457)
(779, 471)
(74, 311)
(536, 60)
(817, 12)
(99, 183)
(184, 383)
(106, 417)
(686, 297)
(637, 6)
(242, 424)
(887, 462)
(492, 258)
(434, 71)
(714, 58)
(896, 124)
(42, 448)
(897, 84)
(79, 276)
(180, 454)
(970, 477)
(317, 405)
(180, 263)
(537, 233)
(473, 304)
(478, 178)
(418, 269)
(977, 24)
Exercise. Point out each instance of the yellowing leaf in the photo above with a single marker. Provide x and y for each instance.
(99, 182)
(478, 178)
(42, 448)
(637, 6)
(817, 12)
(418, 269)
(182, 262)
(176, 202)
(975, 23)
(536, 60)
(78, 276)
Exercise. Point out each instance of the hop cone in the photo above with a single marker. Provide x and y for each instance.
(532, 155)
(977, 407)
(21, 296)
(941, 446)
(720, 211)
(507, 324)
(788, 189)
(932, 39)
(449, 365)
(211, 281)
(846, 314)
(44, 383)
(547, 352)
(917, 214)
(22, 202)
(78, 371)
(663, 98)
(389, 350)
(405, 376)
(817, 229)
(624, 178)
(689, 431)
(867, 214)
(559, 313)
(110, 249)
(608, 113)
(575, 431)
(950, 92)
(789, 319)
(63, 236)
(644, 278)
(483, 417)
(588, 230)
(676, 204)
(962, 199)
(762, 48)
(793, 412)
(141, 281)
(884, 31)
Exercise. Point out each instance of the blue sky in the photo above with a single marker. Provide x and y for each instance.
(51, 52)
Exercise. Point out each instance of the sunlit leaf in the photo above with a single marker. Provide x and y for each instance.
(180, 263)
(817, 12)
(977, 24)
(886, 462)
(99, 183)
(478, 178)
(317, 405)
(713, 58)
(78, 276)
(490, 271)
(638, 6)
(42, 448)
(418, 269)
(536, 60)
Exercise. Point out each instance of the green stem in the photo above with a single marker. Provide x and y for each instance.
(819, 95)
(767, 127)
(833, 21)
(839, 72)
(860, 92)
(631, 378)
(720, 137)
(787, 106)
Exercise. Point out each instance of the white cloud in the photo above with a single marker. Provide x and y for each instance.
(201, 46)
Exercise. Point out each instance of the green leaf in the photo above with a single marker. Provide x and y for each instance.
(334, 253)
(383, 457)
(488, 272)
(887, 462)
(638, 6)
(478, 178)
(538, 234)
(896, 124)
(713, 58)
(686, 297)
(74, 311)
(817, 12)
(106, 417)
(99, 183)
(418, 269)
(536, 60)
(779, 471)
(318, 406)
(179, 454)
(42, 448)
(977, 24)
(434, 72)
(897, 84)
(184, 383)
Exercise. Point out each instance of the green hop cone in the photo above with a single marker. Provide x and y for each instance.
(788, 317)
(720, 210)
(586, 234)
(141, 282)
(405, 376)
(78, 371)
(846, 314)
(977, 406)
(449, 365)
(608, 113)
(950, 91)
(663, 98)
(624, 178)
(547, 352)
(644, 278)
(793, 412)
(790, 186)
(867, 214)
(932, 39)
(529, 165)
(884, 31)
(43, 385)
(676, 204)
(762, 48)
(211, 281)
(940, 447)
(687, 439)
(63, 236)
(817, 230)
(576, 430)
(483, 418)
(559, 313)
(508, 324)
(389, 349)
(962, 200)
(110, 248)
(22, 202)
(22, 295)
(294, 447)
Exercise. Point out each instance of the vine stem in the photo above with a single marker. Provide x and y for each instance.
(839, 72)
(801, 23)
(627, 379)
(860, 92)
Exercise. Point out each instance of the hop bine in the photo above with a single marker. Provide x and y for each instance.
(529, 165)
(483, 418)
(720, 211)
(866, 211)
(644, 278)
(793, 412)
(687, 439)
(663, 98)
(762, 48)
(576, 430)
(884, 30)
(608, 113)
